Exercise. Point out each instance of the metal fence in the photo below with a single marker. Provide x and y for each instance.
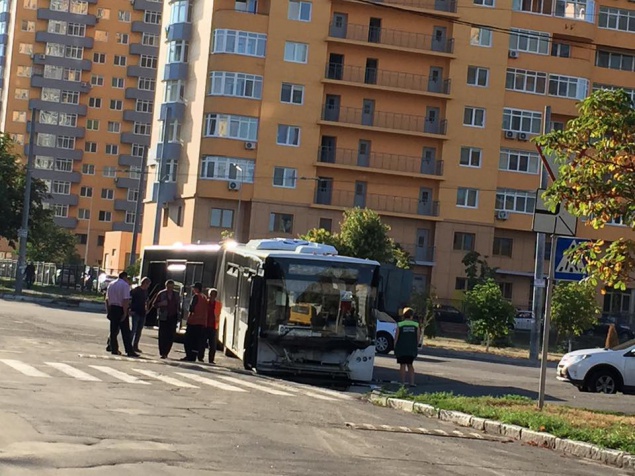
(50, 274)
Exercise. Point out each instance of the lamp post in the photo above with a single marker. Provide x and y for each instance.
(240, 194)
(139, 208)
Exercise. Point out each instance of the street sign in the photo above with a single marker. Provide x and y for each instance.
(22, 233)
(540, 283)
(558, 222)
(564, 268)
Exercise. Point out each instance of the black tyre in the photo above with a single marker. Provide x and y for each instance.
(383, 343)
(604, 381)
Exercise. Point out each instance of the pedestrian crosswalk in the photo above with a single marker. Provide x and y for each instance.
(168, 376)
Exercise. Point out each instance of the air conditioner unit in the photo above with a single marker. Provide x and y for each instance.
(523, 136)
(512, 54)
(502, 215)
(250, 145)
(233, 185)
(510, 135)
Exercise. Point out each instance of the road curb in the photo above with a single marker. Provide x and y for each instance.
(66, 303)
(579, 449)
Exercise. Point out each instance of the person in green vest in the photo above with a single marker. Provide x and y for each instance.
(407, 345)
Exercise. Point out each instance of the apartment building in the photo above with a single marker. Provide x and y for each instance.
(278, 115)
(87, 70)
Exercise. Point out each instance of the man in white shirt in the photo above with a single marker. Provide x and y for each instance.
(117, 302)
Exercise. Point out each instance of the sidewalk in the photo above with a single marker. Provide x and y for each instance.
(51, 300)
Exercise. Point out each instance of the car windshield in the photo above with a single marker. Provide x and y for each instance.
(320, 299)
(624, 345)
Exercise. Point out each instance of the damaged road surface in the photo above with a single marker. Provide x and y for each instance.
(62, 414)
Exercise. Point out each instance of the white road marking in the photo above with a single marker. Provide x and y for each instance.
(119, 375)
(165, 378)
(23, 368)
(210, 382)
(73, 372)
(297, 390)
(255, 386)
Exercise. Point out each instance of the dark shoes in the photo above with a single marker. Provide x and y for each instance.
(134, 355)
(138, 351)
(164, 356)
(115, 352)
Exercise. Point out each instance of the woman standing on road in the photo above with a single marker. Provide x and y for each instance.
(406, 345)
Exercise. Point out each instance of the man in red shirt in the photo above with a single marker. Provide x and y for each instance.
(196, 322)
(213, 316)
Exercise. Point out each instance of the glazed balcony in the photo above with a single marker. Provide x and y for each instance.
(398, 39)
(388, 204)
(436, 5)
(380, 162)
(381, 78)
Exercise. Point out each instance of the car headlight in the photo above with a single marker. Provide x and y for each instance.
(576, 358)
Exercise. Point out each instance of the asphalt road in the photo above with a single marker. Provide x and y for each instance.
(64, 412)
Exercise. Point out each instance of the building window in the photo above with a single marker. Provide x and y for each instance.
(92, 125)
(561, 50)
(25, 49)
(326, 224)
(148, 61)
(292, 93)
(94, 103)
(101, 35)
(74, 52)
(239, 43)
(64, 165)
(284, 177)
(146, 84)
(100, 240)
(174, 91)
(130, 217)
(178, 52)
(112, 149)
(615, 60)
(114, 127)
(107, 194)
(630, 92)
(464, 241)
(299, 11)
(503, 246)
(152, 18)
(288, 135)
(143, 105)
(519, 161)
(133, 195)
(60, 187)
(296, 52)
(516, 201)
(226, 168)
(477, 76)
(19, 116)
(231, 127)
(529, 41)
(180, 12)
(569, 86)
(148, 39)
(124, 16)
(481, 37)
(22, 94)
(519, 120)
(76, 29)
(543, 7)
(467, 197)
(460, 284)
(90, 147)
(526, 81)
(83, 214)
(105, 216)
(116, 104)
(120, 60)
(70, 97)
(60, 211)
(484, 3)
(222, 218)
(281, 223)
(474, 117)
(88, 169)
(28, 26)
(65, 142)
(173, 133)
(224, 83)
(44, 163)
(506, 290)
(122, 38)
(110, 172)
(617, 19)
(137, 150)
(134, 172)
(470, 157)
(96, 80)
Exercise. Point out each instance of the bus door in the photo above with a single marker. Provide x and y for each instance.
(256, 306)
(192, 273)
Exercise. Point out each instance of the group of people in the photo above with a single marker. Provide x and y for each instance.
(124, 304)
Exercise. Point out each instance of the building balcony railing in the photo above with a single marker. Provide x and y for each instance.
(385, 36)
(385, 120)
(419, 254)
(385, 78)
(382, 161)
(379, 203)
(438, 5)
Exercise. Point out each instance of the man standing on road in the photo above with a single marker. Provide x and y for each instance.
(213, 316)
(138, 309)
(167, 304)
(117, 303)
(406, 345)
(196, 322)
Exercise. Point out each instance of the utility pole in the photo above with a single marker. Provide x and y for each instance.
(23, 232)
(139, 208)
(545, 335)
(161, 169)
(539, 271)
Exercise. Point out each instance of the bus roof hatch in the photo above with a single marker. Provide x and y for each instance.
(292, 245)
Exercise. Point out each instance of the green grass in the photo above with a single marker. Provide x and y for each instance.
(51, 292)
(605, 429)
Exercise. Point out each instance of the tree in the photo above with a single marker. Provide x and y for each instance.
(13, 179)
(574, 309)
(490, 314)
(51, 244)
(424, 305)
(134, 270)
(362, 235)
(476, 269)
(595, 155)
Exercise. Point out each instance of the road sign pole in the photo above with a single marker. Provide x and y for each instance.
(545, 336)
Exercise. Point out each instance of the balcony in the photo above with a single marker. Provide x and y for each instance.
(380, 161)
(386, 121)
(147, 5)
(381, 78)
(134, 93)
(437, 5)
(125, 206)
(127, 182)
(421, 255)
(380, 203)
(392, 38)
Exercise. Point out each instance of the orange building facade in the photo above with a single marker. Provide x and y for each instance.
(282, 114)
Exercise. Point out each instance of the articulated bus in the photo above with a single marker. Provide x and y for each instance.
(294, 307)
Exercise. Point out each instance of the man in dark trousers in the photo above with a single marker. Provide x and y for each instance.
(407, 345)
(213, 316)
(167, 303)
(196, 322)
(117, 303)
(138, 309)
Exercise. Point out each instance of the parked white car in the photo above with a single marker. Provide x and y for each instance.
(386, 332)
(600, 370)
(524, 321)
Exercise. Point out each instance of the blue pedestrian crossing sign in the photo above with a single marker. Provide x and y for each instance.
(564, 267)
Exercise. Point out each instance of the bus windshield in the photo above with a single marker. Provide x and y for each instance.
(307, 298)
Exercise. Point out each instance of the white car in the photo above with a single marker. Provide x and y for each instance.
(386, 332)
(600, 370)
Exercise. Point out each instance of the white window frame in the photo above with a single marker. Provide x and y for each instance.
(521, 161)
(515, 201)
(290, 135)
(618, 19)
(474, 113)
(107, 194)
(293, 90)
(109, 172)
(466, 197)
(525, 81)
(570, 87)
(178, 51)
(130, 217)
(88, 169)
(219, 218)
(523, 118)
(298, 11)
(482, 37)
(107, 216)
(485, 3)
(60, 211)
(224, 169)
(616, 60)
(285, 177)
(296, 52)
(233, 84)
(477, 75)
(60, 187)
(473, 157)
(239, 42)
(229, 126)
(530, 41)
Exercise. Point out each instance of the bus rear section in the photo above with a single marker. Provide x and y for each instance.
(306, 314)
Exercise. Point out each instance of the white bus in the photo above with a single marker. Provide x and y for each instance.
(294, 307)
